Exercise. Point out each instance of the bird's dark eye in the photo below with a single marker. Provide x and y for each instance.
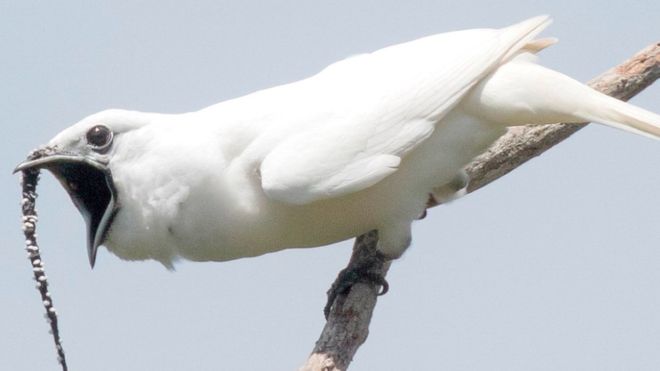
(100, 136)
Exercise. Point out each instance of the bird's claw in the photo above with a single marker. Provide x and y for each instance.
(352, 275)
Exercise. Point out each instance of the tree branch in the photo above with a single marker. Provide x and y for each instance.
(347, 326)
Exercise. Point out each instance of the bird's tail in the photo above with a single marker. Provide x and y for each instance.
(621, 115)
(521, 92)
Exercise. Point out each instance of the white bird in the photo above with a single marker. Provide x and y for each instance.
(356, 147)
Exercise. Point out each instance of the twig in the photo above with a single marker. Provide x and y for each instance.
(347, 326)
(29, 179)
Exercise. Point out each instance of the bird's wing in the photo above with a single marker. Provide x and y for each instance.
(361, 116)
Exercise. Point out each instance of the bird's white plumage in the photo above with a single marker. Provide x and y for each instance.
(378, 111)
(358, 146)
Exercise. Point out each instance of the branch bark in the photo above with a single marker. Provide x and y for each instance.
(347, 326)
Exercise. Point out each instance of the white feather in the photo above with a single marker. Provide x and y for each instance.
(381, 106)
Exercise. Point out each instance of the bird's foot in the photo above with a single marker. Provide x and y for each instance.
(366, 268)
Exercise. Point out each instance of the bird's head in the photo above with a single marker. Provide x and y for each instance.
(80, 157)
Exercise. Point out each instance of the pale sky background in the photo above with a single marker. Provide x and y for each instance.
(554, 267)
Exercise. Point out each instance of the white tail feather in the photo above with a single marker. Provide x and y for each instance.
(622, 115)
(521, 92)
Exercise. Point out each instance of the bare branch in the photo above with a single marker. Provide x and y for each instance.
(348, 323)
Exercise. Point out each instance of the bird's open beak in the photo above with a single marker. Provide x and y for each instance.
(89, 184)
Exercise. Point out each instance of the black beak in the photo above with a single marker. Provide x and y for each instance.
(89, 184)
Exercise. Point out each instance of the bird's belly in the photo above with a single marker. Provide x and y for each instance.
(278, 226)
(212, 225)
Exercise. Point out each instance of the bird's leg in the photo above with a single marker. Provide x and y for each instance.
(367, 265)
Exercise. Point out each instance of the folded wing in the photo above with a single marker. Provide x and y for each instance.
(372, 110)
